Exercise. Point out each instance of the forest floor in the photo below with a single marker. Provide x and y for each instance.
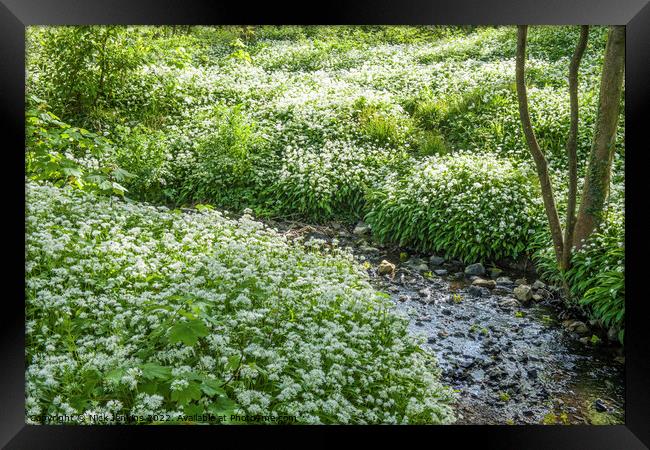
(511, 362)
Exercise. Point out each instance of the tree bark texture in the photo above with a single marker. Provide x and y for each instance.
(572, 143)
(597, 179)
(538, 156)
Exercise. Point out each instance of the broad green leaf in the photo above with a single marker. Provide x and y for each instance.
(191, 410)
(149, 387)
(184, 396)
(225, 404)
(233, 362)
(187, 332)
(72, 171)
(212, 387)
(105, 185)
(121, 174)
(115, 375)
(155, 371)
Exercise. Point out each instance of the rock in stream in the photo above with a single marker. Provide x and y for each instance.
(511, 362)
(510, 353)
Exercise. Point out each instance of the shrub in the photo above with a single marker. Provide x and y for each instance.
(469, 206)
(596, 279)
(222, 163)
(80, 68)
(431, 143)
(429, 111)
(214, 161)
(143, 152)
(606, 300)
(63, 154)
(133, 309)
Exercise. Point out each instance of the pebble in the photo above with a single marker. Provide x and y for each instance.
(523, 293)
(481, 282)
(538, 284)
(475, 269)
(474, 291)
(436, 260)
(386, 268)
(361, 229)
(494, 357)
(600, 406)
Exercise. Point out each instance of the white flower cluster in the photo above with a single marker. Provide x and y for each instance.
(302, 97)
(472, 205)
(310, 337)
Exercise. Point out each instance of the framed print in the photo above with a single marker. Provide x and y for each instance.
(383, 218)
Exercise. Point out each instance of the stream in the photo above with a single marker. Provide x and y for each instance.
(510, 362)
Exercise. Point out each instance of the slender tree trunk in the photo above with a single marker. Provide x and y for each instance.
(100, 86)
(533, 146)
(571, 148)
(597, 178)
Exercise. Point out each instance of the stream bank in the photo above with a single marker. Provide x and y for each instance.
(501, 338)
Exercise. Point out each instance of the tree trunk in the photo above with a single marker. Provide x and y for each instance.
(540, 161)
(572, 142)
(100, 85)
(597, 178)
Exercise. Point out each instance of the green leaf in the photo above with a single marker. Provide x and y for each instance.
(191, 410)
(115, 375)
(212, 387)
(233, 362)
(118, 188)
(121, 174)
(184, 396)
(222, 406)
(187, 332)
(96, 178)
(152, 371)
(80, 403)
(90, 379)
(105, 185)
(149, 388)
(72, 172)
(187, 315)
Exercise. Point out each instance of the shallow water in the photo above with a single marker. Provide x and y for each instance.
(509, 365)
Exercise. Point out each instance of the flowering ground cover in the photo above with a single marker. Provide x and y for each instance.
(135, 306)
(137, 310)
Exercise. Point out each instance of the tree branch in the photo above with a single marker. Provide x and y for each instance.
(540, 161)
(571, 147)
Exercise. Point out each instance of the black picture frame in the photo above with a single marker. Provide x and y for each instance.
(15, 15)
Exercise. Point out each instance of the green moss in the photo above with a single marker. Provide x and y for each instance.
(600, 418)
